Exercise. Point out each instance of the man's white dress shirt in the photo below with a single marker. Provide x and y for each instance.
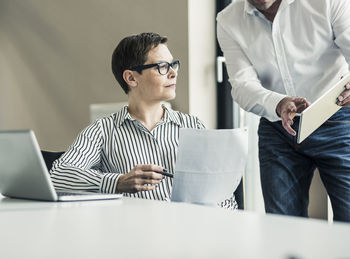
(302, 52)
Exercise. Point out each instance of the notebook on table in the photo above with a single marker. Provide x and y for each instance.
(23, 172)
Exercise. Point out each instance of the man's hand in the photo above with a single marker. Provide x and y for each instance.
(344, 97)
(140, 178)
(287, 108)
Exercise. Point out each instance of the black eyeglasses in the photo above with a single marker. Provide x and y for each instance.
(163, 67)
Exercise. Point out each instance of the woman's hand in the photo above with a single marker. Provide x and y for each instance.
(140, 178)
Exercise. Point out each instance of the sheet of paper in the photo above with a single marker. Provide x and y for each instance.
(210, 165)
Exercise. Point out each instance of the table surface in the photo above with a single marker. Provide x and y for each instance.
(135, 228)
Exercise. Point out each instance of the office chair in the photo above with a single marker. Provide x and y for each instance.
(239, 195)
(50, 157)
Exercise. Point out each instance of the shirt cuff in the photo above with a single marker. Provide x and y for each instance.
(271, 105)
(109, 183)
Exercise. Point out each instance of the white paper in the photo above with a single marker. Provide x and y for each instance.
(210, 165)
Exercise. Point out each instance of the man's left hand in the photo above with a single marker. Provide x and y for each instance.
(344, 98)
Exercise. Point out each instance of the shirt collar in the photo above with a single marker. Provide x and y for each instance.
(122, 115)
(169, 116)
(250, 9)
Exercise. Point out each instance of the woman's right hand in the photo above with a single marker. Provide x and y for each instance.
(140, 178)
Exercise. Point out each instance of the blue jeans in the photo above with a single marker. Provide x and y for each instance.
(286, 168)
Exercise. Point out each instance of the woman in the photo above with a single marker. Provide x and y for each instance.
(127, 151)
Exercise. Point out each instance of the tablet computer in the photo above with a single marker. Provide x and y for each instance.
(320, 110)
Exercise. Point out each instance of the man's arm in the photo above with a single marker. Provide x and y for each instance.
(247, 90)
(340, 20)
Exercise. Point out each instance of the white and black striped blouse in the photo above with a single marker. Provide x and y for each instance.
(113, 145)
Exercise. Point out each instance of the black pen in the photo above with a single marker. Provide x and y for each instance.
(165, 173)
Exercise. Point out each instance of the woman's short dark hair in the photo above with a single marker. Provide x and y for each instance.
(132, 51)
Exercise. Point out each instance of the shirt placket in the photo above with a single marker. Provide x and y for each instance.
(153, 138)
(158, 139)
(156, 149)
(281, 58)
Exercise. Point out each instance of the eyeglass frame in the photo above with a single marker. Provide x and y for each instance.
(143, 67)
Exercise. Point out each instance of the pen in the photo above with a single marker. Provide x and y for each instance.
(165, 173)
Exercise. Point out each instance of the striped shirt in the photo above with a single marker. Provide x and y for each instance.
(113, 145)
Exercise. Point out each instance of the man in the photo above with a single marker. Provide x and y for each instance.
(281, 55)
(127, 151)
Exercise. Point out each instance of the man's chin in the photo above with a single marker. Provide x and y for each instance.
(262, 6)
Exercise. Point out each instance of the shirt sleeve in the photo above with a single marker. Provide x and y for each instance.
(78, 168)
(199, 124)
(247, 89)
(340, 20)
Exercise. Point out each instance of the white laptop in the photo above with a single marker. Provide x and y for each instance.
(320, 110)
(23, 172)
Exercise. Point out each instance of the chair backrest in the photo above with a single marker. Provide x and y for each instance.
(100, 110)
(239, 195)
(50, 157)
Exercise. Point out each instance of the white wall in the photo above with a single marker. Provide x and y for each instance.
(201, 38)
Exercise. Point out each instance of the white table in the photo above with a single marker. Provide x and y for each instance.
(133, 228)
